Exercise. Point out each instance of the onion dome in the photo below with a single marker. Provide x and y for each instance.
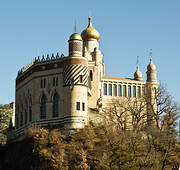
(75, 36)
(90, 33)
(138, 74)
(151, 66)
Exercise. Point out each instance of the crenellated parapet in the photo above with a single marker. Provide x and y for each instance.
(39, 60)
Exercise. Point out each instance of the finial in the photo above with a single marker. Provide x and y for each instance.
(90, 21)
(75, 27)
(150, 54)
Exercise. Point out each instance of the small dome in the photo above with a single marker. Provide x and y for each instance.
(138, 75)
(151, 66)
(90, 33)
(75, 36)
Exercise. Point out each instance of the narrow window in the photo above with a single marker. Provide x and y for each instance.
(17, 121)
(83, 106)
(44, 83)
(154, 91)
(30, 113)
(43, 107)
(53, 81)
(129, 91)
(124, 90)
(21, 122)
(41, 83)
(81, 78)
(77, 105)
(25, 116)
(119, 90)
(110, 89)
(91, 75)
(139, 91)
(143, 91)
(114, 89)
(105, 89)
(55, 105)
(134, 91)
(56, 81)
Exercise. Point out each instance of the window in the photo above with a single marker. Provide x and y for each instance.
(43, 83)
(91, 75)
(154, 89)
(129, 91)
(30, 113)
(55, 81)
(55, 105)
(105, 89)
(25, 116)
(77, 105)
(21, 121)
(138, 91)
(134, 91)
(119, 90)
(143, 91)
(43, 107)
(110, 89)
(83, 106)
(124, 90)
(17, 121)
(81, 78)
(114, 89)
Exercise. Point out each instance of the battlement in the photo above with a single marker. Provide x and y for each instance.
(39, 60)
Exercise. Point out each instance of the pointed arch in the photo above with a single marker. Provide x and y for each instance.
(43, 107)
(55, 104)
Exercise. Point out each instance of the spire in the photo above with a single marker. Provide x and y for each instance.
(90, 21)
(75, 27)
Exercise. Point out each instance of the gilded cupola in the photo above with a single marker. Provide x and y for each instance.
(75, 36)
(90, 33)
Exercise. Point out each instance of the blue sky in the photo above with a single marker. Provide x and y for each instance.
(128, 28)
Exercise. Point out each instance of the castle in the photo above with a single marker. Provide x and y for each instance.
(61, 91)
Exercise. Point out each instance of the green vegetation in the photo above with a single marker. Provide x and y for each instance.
(5, 114)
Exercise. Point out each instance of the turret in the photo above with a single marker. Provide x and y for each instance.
(75, 81)
(151, 72)
(138, 74)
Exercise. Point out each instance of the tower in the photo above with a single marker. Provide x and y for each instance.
(151, 89)
(75, 81)
(91, 51)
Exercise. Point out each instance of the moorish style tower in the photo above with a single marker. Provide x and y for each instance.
(75, 81)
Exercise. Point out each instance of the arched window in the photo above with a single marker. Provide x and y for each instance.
(134, 91)
(25, 117)
(110, 89)
(43, 107)
(143, 91)
(114, 90)
(138, 91)
(55, 105)
(124, 90)
(129, 91)
(105, 89)
(119, 90)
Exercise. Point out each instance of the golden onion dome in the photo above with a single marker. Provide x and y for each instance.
(90, 33)
(75, 36)
(151, 66)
